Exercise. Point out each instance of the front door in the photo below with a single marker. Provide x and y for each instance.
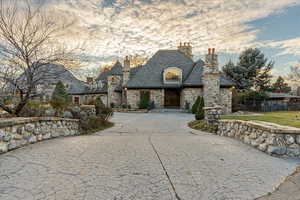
(172, 98)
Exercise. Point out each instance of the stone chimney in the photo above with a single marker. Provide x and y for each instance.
(211, 80)
(126, 70)
(90, 80)
(187, 49)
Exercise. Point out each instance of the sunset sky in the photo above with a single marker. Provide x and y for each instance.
(115, 28)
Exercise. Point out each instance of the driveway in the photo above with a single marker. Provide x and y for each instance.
(145, 156)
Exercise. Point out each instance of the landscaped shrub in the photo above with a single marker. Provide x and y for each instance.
(200, 111)
(33, 108)
(202, 126)
(144, 100)
(196, 105)
(60, 98)
(93, 124)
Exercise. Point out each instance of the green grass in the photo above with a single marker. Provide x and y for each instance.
(287, 118)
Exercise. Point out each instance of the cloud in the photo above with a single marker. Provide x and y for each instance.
(115, 28)
(291, 46)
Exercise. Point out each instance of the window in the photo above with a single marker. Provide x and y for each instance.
(173, 75)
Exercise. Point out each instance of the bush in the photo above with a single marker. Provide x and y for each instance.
(60, 98)
(196, 105)
(200, 111)
(93, 124)
(202, 126)
(33, 108)
(144, 100)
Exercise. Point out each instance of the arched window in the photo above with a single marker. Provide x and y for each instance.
(173, 75)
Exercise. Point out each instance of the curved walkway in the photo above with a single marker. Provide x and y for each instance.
(145, 156)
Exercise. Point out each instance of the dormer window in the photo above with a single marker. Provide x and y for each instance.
(173, 75)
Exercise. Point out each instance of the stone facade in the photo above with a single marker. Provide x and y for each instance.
(133, 98)
(18, 132)
(158, 96)
(226, 100)
(267, 137)
(114, 98)
(86, 98)
(189, 96)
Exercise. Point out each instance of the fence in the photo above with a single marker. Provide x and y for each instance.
(270, 105)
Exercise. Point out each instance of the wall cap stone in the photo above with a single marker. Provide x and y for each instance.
(5, 122)
(267, 126)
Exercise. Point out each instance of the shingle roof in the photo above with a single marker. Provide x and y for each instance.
(117, 69)
(195, 77)
(151, 74)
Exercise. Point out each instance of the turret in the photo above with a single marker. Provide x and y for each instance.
(187, 49)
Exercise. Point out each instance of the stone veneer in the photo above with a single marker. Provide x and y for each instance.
(18, 132)
(190, 95)
(112, 96)
(267, 137)
(226, 100)
(156, 95)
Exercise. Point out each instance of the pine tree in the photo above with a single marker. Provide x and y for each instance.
(200, 111)
(281, 86)
(60, 98)
(196, 105)
(252, 70)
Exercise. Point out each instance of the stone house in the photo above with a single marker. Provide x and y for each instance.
(170, 78)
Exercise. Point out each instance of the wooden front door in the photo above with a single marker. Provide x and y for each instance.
(172, 98)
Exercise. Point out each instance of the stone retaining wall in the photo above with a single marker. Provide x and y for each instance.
(18, 132)
(267, 137)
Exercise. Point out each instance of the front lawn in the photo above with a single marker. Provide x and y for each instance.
(286, 118)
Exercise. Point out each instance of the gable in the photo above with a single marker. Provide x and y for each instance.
(151, 74)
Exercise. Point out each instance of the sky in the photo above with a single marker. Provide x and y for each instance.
(112, 29)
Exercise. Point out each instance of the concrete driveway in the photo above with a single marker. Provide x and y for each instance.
(145, 156)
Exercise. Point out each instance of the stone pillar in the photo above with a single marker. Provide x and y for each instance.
(212, 115)
(211, 88)
(211, 80)
(126, 77)
(113, 97)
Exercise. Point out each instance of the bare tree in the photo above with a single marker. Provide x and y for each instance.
(295, 73)
(29, 41)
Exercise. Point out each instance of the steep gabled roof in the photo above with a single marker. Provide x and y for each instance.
(151, 74)
(117, 69)
(195, 77)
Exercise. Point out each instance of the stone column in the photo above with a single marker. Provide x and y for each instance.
(211, 88)
(126, 77)
(212, 115)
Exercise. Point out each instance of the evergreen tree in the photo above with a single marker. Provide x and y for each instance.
(281, 86)
(60, 98)
(252, 70)
(200, 111)
(196, 105)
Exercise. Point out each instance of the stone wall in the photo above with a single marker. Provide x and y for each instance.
(158, 96)
(226, 100)
(133, 98)
(84, 99)
(18, 132)
(189, 95)
(267, 137)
